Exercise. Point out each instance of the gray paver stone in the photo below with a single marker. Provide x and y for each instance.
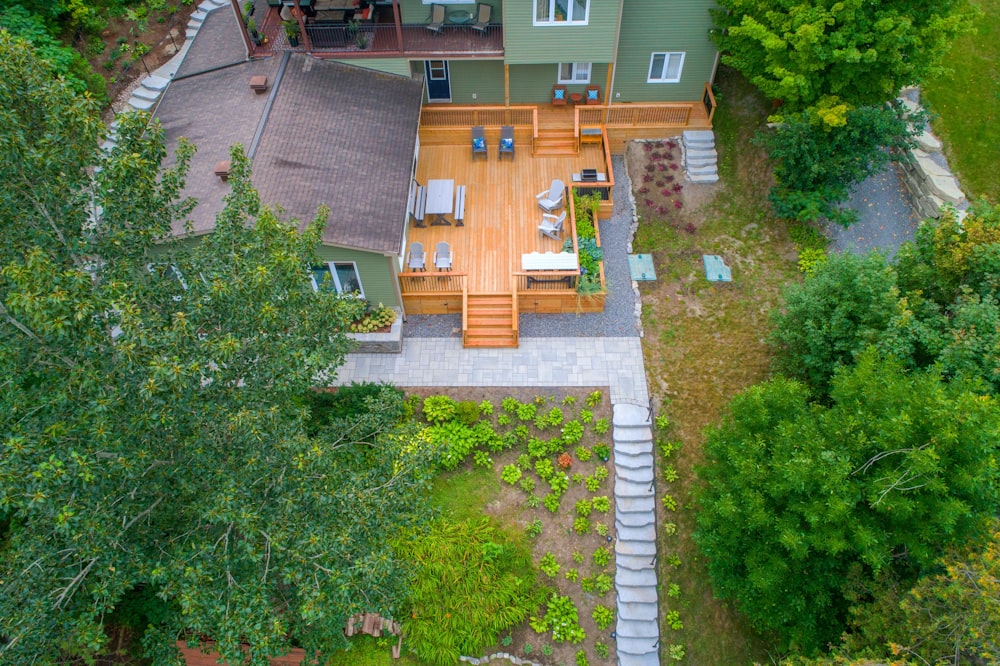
(636, 533)
(633, 460)
(141, 104)
(651, 659)
(714, 178)
(637, 629)
(634, 504)
(629, 489)
(646, 548)
(152, 82)
(629, 415)
(698, 135)
(642, 645)
(644, 595)
(635, 519)
(145, 93)
(632, 434)
(635, 474)
(198, 16)
(637, 611)
(207, 6)
(633, 562)
(642, 577)
(703, 170)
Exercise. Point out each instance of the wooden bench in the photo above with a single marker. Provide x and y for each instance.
(459, 205)
(566, 280)
(590, 134)
(418, 205)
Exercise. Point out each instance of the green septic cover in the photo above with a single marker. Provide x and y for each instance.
(641, 266)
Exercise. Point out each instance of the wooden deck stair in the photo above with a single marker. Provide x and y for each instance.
(555, 142)
(490, 321)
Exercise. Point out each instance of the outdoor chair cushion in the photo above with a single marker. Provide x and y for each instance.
(558, 94)
(593, 94)
(479, 143)
(506, 143)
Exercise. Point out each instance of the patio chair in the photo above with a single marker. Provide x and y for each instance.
(442, 257)
(551, 199)
(506, 142)
(436, 20)
(592, 95)
(552, 225)
(560, 97)
(479, 142)
(417, 258)
(483, 14)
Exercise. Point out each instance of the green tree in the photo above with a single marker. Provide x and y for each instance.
(798, 497)
(816, 165)
(830, 56)
(841, 309)
(152, 425)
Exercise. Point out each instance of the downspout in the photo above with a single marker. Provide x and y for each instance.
(614, 63)
(243, 28)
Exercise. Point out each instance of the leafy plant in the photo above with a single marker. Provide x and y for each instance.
(503, 419)
(527, 484)
(601, 427)
(526, 411)
(559, 483)
(674, 560)
(602, 556)
(534, 528)
(670, 473)
(569, 400)
(486, 408)
(572, 432)
(592, 483)
(572, 575)
(676, 652)
(482, 459)
(603, 616)
(670, 528)
(506, 640)
(661, 422)
(439, 409)
(601, 649)
(537, 448)
(600, 472)
(669, 503)
(810, 259)
(564, 461)
(601, 503)
(544, 469)
(583, 453)
(673, 620)
(674, 590)
(562, 618)
(528, 648)
(594, 399)
(547, 650)
(586, 416)
(581, 525)
(581, 658)
(548, 565)
(467, 412)
(584, 508)
(534, 501)
(600, 584)
(510, 474)
(578, 557)
(509, 405)
(551, 502)
(602, 529)
(524, 462)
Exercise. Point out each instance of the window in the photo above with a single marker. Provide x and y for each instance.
(574, 72)
(561, 12)
(341, 276)
(438, 70)
(665, 68)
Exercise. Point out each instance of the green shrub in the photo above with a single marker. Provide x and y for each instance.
(527, 484)
(521, 432)
(676, 652)
(600, 584)
(538, 448)
(581, 525)
(511, 474)
(581, 658)
(374, 318)
(586, 416)
(669, 503)
(544, 469)
(547, 650)
(673, 619)
(473, 582)
(572, 575)
(673, 590)
(551, 502)
(661, 422)
(457, 441)
(572, 432)
(602, 451)
(602, 557)
(503, 419)
(584, 508)
(577, 478)
(602, 529)
(554, 417)
(559, 483)
(601, 504)
(810, 259)
(526, 411)
(601, 426)
(594, 399)
(583, 453)
(439, 409)
(592, 483)
(603, 616)
(569, 400)
(670, 473)
(534, 528)
(482, 459)
(600, 473)
(326, 408)
(467, 412)
(509, 405)
(534, 501)
(528, 648)
(486, 408)
(562, 618)
(601, 649)
(548, 565)
(578, 557)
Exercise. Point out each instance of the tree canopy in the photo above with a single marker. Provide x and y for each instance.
(830, 56)
(154, 431)
(798, 497)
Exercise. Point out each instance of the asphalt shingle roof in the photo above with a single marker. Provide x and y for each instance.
(334, 134)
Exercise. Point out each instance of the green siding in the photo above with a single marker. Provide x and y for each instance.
(376, 278)
(483, 77)
(400, 66)
(525, 43)
(532, 84)
(414, 11)
(650, 26)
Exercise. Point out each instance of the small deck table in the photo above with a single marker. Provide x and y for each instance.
(440, 201)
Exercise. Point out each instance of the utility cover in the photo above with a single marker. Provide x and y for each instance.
(641, 267)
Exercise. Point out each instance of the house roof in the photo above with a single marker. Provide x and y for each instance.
(326, 133)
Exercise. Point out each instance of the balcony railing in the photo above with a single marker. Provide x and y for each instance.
(382, 39)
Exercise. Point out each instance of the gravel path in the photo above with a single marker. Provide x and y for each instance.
(618, 318)
(885, 219)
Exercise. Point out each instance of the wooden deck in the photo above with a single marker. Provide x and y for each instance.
(501, 216)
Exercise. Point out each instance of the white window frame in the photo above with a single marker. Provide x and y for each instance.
(551, 19)
(667, 55)
(438, 73)
(576, 68)
(331, 267)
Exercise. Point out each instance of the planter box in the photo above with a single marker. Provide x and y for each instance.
(380, 343)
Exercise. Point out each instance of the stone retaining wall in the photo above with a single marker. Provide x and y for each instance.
(929, 181)
(380, 343)
(498, 656)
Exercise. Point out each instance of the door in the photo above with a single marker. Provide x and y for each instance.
(438, 83)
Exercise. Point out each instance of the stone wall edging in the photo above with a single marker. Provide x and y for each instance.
(930, 184)
(498, 656)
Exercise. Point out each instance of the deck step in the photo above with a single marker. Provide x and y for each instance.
(555, 142)
(490, 319)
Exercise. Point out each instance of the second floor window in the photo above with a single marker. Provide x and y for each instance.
(574, 72)
(555, 12)
(665, 68)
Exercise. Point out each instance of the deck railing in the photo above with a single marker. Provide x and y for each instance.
(635, 115)
(438, 282)
(490, 117)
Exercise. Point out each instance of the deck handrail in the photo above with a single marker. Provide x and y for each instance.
(708, 99)
(490, 117)
(635, 114)
(515, 324)
(465, 312)
(438, 282)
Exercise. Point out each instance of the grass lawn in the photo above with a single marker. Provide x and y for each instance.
(705, 343)
(967, 105)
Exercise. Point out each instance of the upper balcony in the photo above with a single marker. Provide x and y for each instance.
(378, 30)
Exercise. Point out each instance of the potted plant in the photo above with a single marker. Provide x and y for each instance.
(291, 32)
(252, 31)
(363, 40)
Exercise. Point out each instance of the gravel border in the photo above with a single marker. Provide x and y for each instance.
(618, 318)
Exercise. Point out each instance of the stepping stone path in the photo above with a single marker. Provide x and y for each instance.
(635, 550)
(700, 159)
(150, 89)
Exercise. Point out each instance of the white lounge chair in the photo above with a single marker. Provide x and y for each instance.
(417, 257)
(442, 257)
(551, 199)
(552, 225)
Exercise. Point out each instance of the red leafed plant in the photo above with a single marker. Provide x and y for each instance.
(564, 460)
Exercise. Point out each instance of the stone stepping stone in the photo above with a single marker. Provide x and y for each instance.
(146, 93)
(630, 415)
(646, 548)
(198, 16)
(141, 104)
(642, 595)
(154, 82)
(637, 519)
(630, 578)
(633, 562)
(637, 611)
(637, 628)
(634, 474)
(703, 171)
(642, 533)
(641, 433)
(636, 646)
(628, 489)
(698, 135)
(635, 505)
(712, 178)
(651, 659)
(633, 460)
(207, 6)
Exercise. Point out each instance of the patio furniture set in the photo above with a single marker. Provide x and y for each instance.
(505, 147)
(478, 20)
(416, 261)
(438, 198)
(561, 95)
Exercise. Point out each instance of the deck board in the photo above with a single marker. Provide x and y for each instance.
(501, 216)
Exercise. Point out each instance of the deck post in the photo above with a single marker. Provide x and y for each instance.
(397, 19)
(506, 84)
(300, 18)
